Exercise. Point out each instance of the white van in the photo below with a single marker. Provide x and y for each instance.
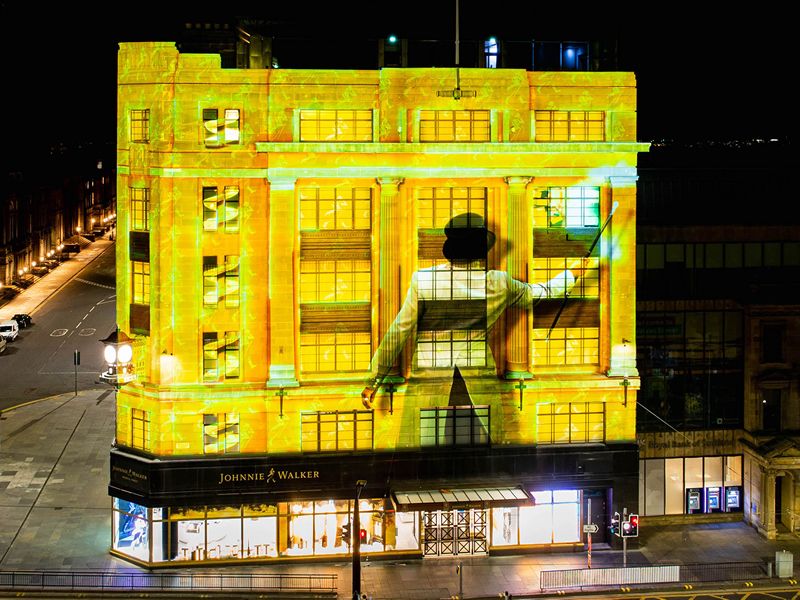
(9, 330)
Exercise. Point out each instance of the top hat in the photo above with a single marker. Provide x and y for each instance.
(467, 238)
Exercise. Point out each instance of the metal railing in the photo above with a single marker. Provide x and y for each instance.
(688, 573)
(228, 582)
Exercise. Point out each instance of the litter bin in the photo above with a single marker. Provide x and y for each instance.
(784, 564)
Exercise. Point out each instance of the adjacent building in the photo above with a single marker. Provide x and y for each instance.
(269, 225)
(718, 322)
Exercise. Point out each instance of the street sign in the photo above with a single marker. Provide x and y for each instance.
(590, 528)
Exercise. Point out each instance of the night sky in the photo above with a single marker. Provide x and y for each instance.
(701, 75)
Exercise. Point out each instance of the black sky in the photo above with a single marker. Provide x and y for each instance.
(716, 73)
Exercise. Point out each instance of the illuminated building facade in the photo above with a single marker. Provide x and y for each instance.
(269, 223)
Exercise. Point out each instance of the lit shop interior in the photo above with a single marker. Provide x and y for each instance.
(323, 527)
(690, 485)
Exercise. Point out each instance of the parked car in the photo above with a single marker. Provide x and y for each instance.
(9, 330)
(23, 320)
(3, 344)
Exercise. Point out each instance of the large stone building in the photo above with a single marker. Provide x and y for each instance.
(718, 324)
(270, 225)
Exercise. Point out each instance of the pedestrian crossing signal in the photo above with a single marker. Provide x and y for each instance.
(615, 524)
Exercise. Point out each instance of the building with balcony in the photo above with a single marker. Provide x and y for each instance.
(271, 225)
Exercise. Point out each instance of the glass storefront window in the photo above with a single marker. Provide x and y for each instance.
(505, 526)
(260, 537)
(554, 518)
(131, 529)
(406, 536)
(191, 543)
(733, 470)
(713, 471)
(673, 486)
(654, 487)
(224, 538)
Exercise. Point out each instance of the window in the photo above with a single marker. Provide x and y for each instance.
(210, 356)
(140, 125)
(587, 286)
(221, 212)
(771, 409)
(454, 126)
(567, 346)
(140, 283)
(140, 429)
(335, 125)
(221, 433)
(335, 281)
(567, 207)
(454, 426)
(231, 354)
(221, 132)
(490, 51)
(573, 423)
(445, 349)
(337, 431)
(335, 352)
(772, 342)
(438, 205)
(210, 281)
(231, 281)
(570, 126)
(140, 209)
(327, 209)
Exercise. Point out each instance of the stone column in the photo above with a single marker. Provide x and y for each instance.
(620, 277)
(282, 241)
(390, 236)
(768, 504)
(518, 232)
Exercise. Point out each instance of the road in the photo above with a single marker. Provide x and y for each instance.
(39, 362)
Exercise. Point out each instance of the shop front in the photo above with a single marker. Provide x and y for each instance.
(199, 511)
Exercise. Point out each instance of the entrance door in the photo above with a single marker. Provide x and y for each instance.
(598, 515)
(454, 532)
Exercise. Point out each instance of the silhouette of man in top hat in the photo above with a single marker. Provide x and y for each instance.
(452, 306)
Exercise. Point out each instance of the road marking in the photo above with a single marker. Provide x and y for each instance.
(100, 285)
(87, 331)
(86, 316)
(58, 332)
(91, 309)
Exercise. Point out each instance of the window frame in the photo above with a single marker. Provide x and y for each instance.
(453, 417)
(140, 282)
(140, 125)
(221, 433)
(140, 208)
(573, 416)
(142, 417)
(435, 123)
(312, 434)
(228, 133)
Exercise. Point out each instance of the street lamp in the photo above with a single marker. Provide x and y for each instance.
(357, 542)
(118, 354)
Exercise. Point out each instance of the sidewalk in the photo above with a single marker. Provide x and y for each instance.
(54, 463)
(31, 298)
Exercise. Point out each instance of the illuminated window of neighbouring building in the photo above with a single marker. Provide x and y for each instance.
(573, 423)
(438, 205)
(140, 209)
(221, 433)
(586, 286)
(334, 352)
(140, 125)
(221, 212)
(454, 426)
(140, 282)
(772, 342)
(337, 431)
(231, 278)
(221, 132)
(566, 346)
(490, 51)
(454, 126)
(210, 281)
(335, 280)
(335, 125)
(325, 209)
(140, 429)
(570, 126)
(567, 207)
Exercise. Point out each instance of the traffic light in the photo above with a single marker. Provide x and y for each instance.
(633, 525)
(615, 523)
(362, 536)
(346, 533)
